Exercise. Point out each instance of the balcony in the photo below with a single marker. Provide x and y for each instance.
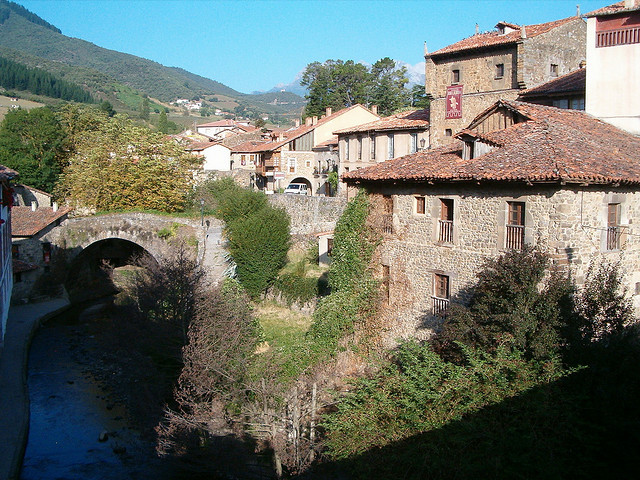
(445, 231)
(613, 238)
(440, 306)
(621, 36)
(515, 237)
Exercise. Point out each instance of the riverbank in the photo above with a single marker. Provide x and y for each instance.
(22, 323)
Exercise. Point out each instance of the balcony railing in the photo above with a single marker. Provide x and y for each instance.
(515, 237)
(440, 306)
(613, 238)
(621, 36)
(446, 231)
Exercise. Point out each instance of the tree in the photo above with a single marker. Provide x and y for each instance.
(121, 165)
(106, 107)
(419, 97)
(163, 123)
(388, 86)
(145, 109)
(33, 143)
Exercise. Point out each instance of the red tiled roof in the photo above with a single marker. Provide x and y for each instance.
(572, 82)
(20, 266)
(490, 39)
(26, 222)
(199, 146)
(252, 146)
(551, 145)
(613, 9)
(410, 120)
(332, 142)
(221, 123)
(7, 173)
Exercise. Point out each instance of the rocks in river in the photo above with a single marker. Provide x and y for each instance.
(104, 436)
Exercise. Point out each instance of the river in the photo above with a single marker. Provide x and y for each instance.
(76, 431)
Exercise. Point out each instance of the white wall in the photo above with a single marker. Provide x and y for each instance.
(217, 157)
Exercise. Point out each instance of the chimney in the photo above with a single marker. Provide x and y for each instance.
(477, 29)
(523, 32)
(307, 121)
(578, 10)
(426, 51)
(374, 109)
(297, 122)
(55, 206)
(582, 64)
(33, 206)
(328, 111)
(315, 120)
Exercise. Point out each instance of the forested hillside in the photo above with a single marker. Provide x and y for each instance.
(28, 39)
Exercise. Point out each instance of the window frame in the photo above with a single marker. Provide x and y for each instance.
(499, 71)
(455, 76)
(420, 205)
(391, 148)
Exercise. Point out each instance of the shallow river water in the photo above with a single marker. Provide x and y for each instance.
(69, 412)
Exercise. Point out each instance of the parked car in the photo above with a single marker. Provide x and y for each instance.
(297, 189)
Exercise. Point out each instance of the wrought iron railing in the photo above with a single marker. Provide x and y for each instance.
(515, 237)
(613, 238)
(387, 223)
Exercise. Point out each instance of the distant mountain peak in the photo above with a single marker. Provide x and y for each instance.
(7, 8)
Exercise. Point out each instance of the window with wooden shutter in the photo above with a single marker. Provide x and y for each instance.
(446, 220)
(515, 226)
(613, 226)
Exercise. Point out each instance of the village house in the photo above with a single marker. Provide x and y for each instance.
(6, 264)
(566, 91)
(613, 61)
(470, 75)
(296, 156)
(390, 137)
(221, 129)
(32, 252)
(518, 174)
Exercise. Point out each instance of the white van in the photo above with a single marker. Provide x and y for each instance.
(297, 189)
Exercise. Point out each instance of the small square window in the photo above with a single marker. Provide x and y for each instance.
(420, 205)
(455, 77)
(448, 132)
(554, 70)
(500, 70)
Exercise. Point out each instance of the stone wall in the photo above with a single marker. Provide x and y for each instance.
(310, 215)
(570, 223)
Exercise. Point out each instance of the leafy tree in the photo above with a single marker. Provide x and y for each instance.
(106, 107)
(120, 165)
(388, 86)
(259, 122)
(33, 143)
(145, 109)
(508, 307)
(419, 97)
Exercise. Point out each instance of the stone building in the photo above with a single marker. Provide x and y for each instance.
(297, 155)
(390, 137)
(566, 91)
(613, 58)
(32, 250)
(6, 266)
(518, 174)
(468, 76)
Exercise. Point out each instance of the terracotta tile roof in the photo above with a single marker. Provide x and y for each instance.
(252, 146)
(26, 223)
(410, 120)
(490, 39)
(550, 145)
(613, 9)
(7, 173)
(572, 82)
(222, 123)
(332, 142)
(199, 146)
(20, 266)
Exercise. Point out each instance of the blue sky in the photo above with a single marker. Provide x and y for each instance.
(257, 44)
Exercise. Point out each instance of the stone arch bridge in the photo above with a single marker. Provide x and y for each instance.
(142, 232)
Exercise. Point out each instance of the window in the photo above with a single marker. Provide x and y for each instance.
(329, 246)
(414, 143)
(468, 151)
(613, 226)
(554, 70)
(446, 221)
(359, 148)
(561, 103)
(515, 226)
(372, 141)
(387, 216)
(390, 147)
(441, 294)
(292, 165)
(243, 159)
(46, 252)
(307, 163)
(455, 76)
(577, 103)
(420, 205)
(500, 70)
(15, 251)
(448, 132)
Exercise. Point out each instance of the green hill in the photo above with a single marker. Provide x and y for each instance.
(30, 40)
